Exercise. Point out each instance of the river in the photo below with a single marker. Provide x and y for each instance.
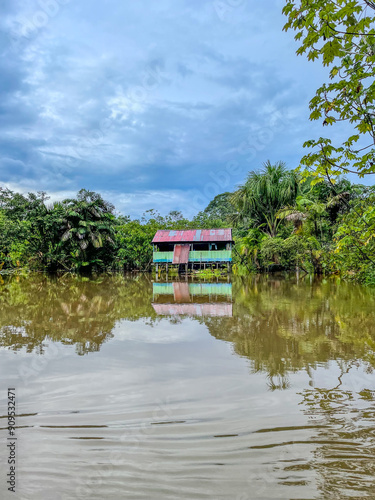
(254, 388)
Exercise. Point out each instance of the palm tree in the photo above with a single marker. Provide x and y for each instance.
(309, 215)
(308, 207)
(264, 193)
(303, 209)
(88, 222)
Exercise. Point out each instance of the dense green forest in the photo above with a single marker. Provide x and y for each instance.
(280, 221)
(312, 218)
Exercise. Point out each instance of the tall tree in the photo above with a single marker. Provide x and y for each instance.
(88, 225)
(220, 207)
(263, 194)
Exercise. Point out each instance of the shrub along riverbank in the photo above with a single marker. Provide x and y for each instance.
(279, 223)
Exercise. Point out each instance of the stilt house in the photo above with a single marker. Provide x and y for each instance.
(194, 248)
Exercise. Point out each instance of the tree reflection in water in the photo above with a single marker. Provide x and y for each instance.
(344, 457)
(284, 326)
(69, 309)
(281, 325)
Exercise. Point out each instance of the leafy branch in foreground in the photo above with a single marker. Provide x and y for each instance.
(341, 34)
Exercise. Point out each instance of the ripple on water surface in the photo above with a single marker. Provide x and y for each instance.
(273, 401)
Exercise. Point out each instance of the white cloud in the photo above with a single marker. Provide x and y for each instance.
(147, 103)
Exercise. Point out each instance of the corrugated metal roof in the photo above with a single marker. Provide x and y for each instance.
(192, 235)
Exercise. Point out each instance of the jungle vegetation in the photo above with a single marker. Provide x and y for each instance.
(311, 218)
(281, 221)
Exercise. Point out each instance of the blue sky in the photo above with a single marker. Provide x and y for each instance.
(155, 104)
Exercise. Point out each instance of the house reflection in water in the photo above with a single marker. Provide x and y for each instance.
(192, 299)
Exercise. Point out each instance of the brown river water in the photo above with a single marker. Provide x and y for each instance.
(256, 388)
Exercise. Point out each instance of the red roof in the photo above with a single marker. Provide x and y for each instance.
(193, 235)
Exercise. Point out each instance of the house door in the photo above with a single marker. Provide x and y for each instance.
(181, 254)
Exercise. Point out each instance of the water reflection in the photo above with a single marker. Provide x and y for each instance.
(69, 309)
(290, 415)
(344, 454)
(182, 298)
(284, 326)
(281, 325)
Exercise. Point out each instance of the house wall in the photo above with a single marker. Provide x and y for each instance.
(169, 247)
(196, 256)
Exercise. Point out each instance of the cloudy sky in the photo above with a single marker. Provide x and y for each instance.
(155, 104)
